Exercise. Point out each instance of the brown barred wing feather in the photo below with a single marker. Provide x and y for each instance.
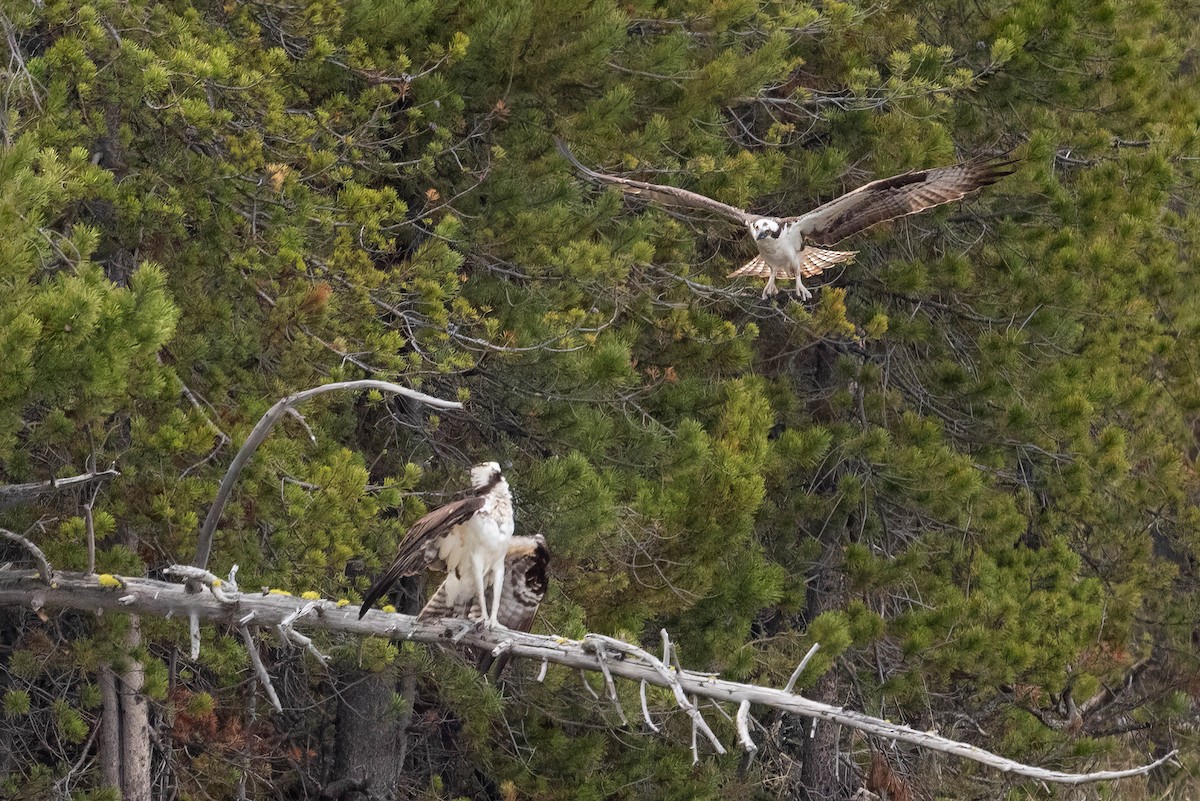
(660, 193)
(898, 196)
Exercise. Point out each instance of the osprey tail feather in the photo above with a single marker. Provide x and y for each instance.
(813, 261)
(397, 571)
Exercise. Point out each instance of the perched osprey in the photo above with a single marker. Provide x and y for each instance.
(787, 245)
(468, 538)
(522, 592)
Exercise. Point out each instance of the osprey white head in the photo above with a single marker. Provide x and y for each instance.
(763, 227)
(484, 475)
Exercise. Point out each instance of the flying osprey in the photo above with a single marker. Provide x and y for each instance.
(522, 592)
(787, 245)
(469, 538)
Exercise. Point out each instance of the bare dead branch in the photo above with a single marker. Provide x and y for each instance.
(39, 557)
(260, 669)
(193, 636)
(15, 56)
(202, 576)
(89, 520)
(288, 633)
(259, 433)
(791, 683)
(1106, 695)
(645, 707)
(743, 729)
(666, 678)
(587, 686)
(612, 688)
(13, 494)
(160, 598)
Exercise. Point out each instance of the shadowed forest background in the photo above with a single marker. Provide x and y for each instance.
(966, 469)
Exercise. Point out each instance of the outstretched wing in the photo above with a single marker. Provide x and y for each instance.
(660, 193)
(813, 261)
(897, 196)
(421, 544)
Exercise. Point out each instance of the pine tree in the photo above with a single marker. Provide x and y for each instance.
(966, 469)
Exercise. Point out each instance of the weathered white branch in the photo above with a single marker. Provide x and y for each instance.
(645, 706)
(666, 679)
(193, 634)
(151, 597)
(288, 633)
(12, 494)
(201, 575)
(602, 658)
(260, 669)
(259, 433)
(587, 685)
(695, 746)
(89, 520)
(743, 729)
(791, 683)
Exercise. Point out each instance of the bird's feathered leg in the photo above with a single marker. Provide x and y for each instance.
(497, 593)
(479, 575)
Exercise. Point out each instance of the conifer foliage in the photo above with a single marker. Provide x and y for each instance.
(966, 468)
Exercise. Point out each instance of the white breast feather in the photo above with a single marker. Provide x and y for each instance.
(778, 252)
(481, 540)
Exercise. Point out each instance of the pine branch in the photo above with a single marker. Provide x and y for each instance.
(236, 609)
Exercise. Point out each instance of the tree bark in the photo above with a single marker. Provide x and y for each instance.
(371, 737)
(820, 777)
(110, 730)
(125, 722)
(135, 721)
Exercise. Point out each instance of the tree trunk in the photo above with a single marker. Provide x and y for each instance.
(110, 730)
(125, 732)
(8, 636)
(820, 778)
(371, 738)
